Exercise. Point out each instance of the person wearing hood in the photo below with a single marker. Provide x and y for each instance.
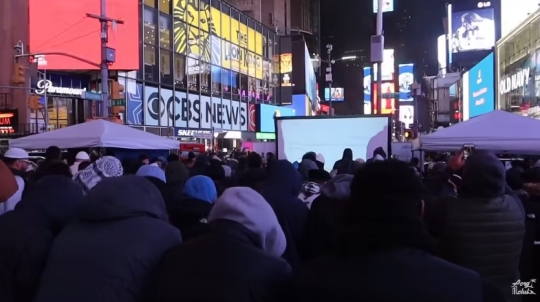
(346, 165)
(483, 218)
(155, 174)
(200, 165)
(176, 175)
(281, 189)
(111, 250)
(325, 216)
(49, 168)
(311, 189)
(238, 261)
(27, 234)
(378, 155)
(319, 160)
(190, 213)
(103, 168)
(306, 165)
(385, 252)
(8, 185)
(79, 158)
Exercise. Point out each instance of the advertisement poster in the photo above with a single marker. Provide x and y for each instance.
(406, 115)
(406, 78)
(481, 87)
(388, 104)
(473, 30)
(337, 95)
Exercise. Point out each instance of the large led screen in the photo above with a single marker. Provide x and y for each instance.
(370, 132)
(62, 26)
(388, 6)
(473, 30)
(367, 90)
(265, 116)
(406, 78)
(387, 66)
(406, 115)
(388, 103)
(311, 80)
(481, 87)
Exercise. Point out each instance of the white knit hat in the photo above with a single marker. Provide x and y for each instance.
(320, 158)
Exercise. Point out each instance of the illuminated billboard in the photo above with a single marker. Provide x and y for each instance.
(337, 94)
(387, 66)
(406, 115)
(56, 26)
(513, 15)
(388, 6)
(406, 78)
(367, 90)
(473, 30)
(481, 87)
(388, 103)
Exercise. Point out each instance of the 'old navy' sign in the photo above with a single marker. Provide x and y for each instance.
(46, 87)
(515, 81)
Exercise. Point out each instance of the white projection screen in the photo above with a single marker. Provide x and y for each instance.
(330, 135)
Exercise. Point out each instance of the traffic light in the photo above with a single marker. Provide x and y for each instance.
(408, 134)
(34, 102)
(19, 76)
(117, 90)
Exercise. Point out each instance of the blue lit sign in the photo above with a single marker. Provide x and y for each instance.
(481, 87)
(265, 116)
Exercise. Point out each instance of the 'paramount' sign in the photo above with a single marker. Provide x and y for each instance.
(46, 87)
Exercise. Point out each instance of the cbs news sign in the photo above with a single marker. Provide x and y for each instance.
(205, 33)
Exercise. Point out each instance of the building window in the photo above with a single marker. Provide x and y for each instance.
(244, 92)
(205, 79)
(165, 31)
(179, 71)
(216, 80)
(165, 6)
(150, 63)
(165, 67)
(149, 17)
(226, 86)
(235, 86)
(151, 3)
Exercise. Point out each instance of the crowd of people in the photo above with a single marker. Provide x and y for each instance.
(251, 228)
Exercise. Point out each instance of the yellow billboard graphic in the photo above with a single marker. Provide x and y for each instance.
(193, 26)
(241, 47)
(239, 59)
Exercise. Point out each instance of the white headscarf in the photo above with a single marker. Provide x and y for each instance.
(107, 166)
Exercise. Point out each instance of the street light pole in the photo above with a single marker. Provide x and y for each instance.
(379, 64)
(329, 79)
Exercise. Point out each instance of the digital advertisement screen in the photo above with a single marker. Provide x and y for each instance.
(367, 107)
(481, 87)
(367, 85)
(387, 66)
(406, 78)
(388, 6)
(300, 105)
(388, 104)
(265, 116)
(473, 30)
(370, 133)
(56, 26)
(337, 94)
(406, 115)
(311, 80)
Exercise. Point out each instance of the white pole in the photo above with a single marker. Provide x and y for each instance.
(379, 65)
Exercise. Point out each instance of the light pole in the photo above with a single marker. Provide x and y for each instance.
(377, 53)
(330, 62)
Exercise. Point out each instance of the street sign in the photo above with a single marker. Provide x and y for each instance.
(92, 96)
(118, 102)
(390, 95)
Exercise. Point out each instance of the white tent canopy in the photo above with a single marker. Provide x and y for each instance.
(98, 133)
(497, 131)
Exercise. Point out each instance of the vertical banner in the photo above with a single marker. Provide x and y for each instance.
(406, 79)
(367, 90)
(285, 70)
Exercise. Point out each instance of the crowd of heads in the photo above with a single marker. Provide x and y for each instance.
(255, 228)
